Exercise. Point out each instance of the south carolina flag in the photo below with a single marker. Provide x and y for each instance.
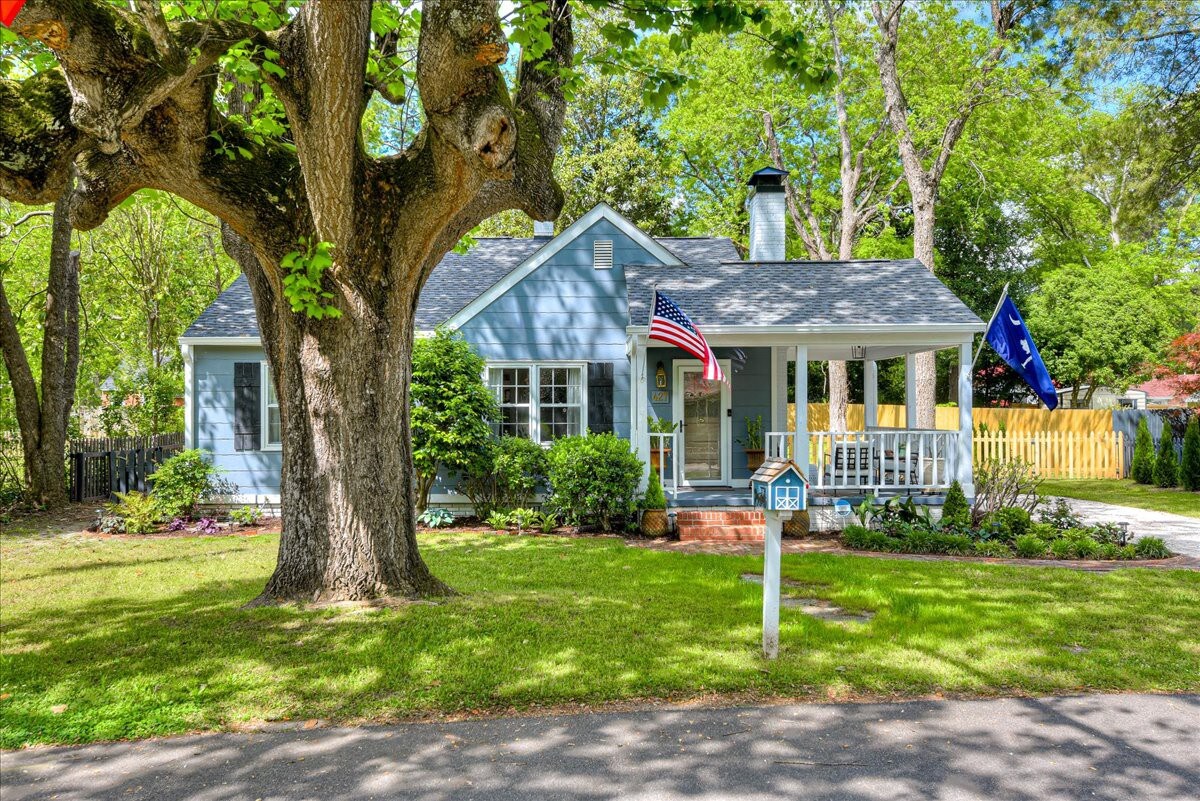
(1009, 337)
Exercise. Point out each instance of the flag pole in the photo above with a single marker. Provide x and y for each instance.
(999, 303)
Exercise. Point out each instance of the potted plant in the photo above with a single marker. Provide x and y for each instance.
(659, 426)
(654, 508)
(753, 443)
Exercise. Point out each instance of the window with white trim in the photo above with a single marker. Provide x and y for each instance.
(540, 401)
(272, 431)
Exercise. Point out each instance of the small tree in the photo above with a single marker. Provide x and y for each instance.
(1166, 466)
(451, 409)
(956, 511)
(594, 479)
(1189, 471)
(183, 482)
(1143, 454)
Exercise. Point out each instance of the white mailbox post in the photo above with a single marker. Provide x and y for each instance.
(779, 488)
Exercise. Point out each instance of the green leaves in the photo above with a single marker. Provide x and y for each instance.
(303, 271)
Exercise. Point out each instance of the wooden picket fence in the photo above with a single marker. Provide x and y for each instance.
(1056, 454)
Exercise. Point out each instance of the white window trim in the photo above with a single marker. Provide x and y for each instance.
(263, 443)
(535, 403)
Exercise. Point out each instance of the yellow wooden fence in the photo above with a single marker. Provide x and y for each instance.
(1066, 443)
(1055, 454)
(1081, 421)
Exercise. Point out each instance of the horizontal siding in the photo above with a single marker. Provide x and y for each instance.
(254, 472)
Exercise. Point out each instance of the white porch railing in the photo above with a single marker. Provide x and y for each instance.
(873, 460)
(664, 445)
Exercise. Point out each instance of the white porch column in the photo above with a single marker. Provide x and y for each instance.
(965, 400)
(800, 381)
(910, 390)
(779, 415)
(639, 433)
(870, 394)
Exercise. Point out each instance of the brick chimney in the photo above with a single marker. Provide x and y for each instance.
(768, 215)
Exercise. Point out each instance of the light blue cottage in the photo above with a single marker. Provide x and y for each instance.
(562, 322)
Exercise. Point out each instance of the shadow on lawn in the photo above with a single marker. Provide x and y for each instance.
(1018, 749)
(564, 621)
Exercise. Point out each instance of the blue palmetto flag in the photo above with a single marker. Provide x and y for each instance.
(1009, 337)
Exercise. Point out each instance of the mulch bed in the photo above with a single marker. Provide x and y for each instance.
(833, 546)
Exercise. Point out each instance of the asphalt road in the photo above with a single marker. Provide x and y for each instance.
(1093, 747)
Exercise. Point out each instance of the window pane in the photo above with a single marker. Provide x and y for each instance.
(561, 398)
(274, 435)
(511, 386)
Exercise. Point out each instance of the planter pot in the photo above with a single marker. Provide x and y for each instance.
(797, 525)
(754, 458)
(655, 523)
(656, 458)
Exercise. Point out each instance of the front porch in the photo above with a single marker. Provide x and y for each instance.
(703, 462)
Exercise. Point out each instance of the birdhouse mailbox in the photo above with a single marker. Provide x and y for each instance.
(779, 486)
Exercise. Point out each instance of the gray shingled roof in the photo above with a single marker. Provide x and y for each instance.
(458, 280)
(801, 293)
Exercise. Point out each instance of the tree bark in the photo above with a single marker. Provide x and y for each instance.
(137, 119)
(923, 182)
(42, 416)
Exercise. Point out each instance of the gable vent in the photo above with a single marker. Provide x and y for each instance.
(602, 254)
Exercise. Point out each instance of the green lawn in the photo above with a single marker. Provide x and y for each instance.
(140, 638)
(1126, 493)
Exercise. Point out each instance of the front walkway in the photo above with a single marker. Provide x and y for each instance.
(1181, 534)
(1094, 747)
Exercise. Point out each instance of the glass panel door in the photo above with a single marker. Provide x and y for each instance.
(703, 428)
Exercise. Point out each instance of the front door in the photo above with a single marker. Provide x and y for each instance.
(702, 412)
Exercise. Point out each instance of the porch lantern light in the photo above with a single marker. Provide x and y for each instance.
(660, 376)
(858, 352)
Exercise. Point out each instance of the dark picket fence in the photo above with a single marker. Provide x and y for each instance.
(97, 467)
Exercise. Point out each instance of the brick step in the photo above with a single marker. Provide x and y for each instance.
(719, 517)
(743, 533)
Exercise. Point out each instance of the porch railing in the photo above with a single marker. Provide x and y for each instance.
(664, 448)
(914, 459)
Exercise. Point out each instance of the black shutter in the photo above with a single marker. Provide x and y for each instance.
(600, 397)
(247, 405)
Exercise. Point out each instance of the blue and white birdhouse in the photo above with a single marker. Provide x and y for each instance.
(779, 486)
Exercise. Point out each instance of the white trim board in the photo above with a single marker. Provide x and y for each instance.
(245, 342)
(602, 211)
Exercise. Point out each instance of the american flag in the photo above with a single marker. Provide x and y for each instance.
(668, 323)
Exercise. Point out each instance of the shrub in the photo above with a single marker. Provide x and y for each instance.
(594, 479)
(956, 512)
(1043, 531)
(451, 409)
(654, 497)
(1166, 466)
(861, 538)
(524, 518)
(1061, 516)
(245, 515)
(992, 548)
(955, 544)
(1126, 552)
(436, 518)
(1106, 533)
(547, 522)
(207, 525)
(186, 480)
(1031, 547)
(498, 520)
(1109, 551)
(1189, 470)
(1010, 522)
(1001, 484)
(509, 475)
(1062, 549)
(1151, 548)
(1143, 454)
(138, 512)
(1086, 548)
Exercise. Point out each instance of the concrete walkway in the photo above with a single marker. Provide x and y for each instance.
(1181, 534)
(1143, 747)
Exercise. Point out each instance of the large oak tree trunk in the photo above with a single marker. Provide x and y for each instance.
(42, 414)
(348, 485)
(926, 361)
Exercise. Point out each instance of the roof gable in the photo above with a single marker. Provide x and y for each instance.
(602, 211)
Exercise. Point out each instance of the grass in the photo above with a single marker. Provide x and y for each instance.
(1125, 492)
(107, 639)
